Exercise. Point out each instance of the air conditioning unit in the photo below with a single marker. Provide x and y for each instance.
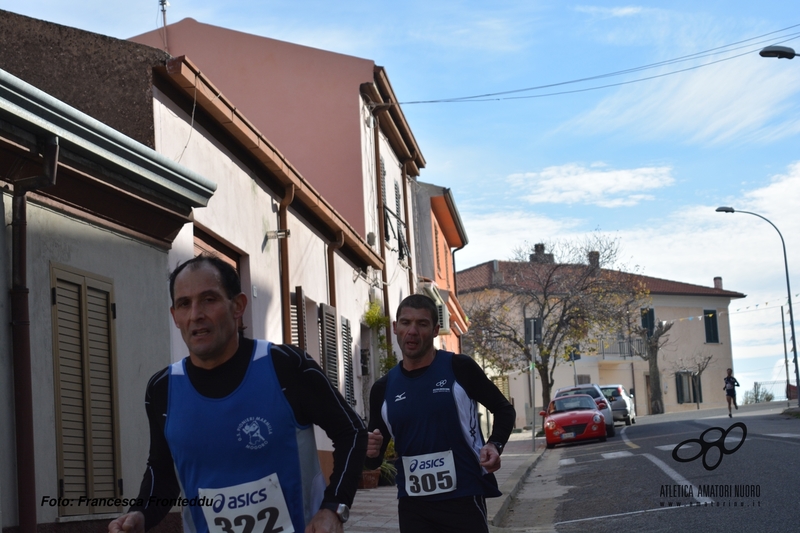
(444, 318)
(441, 307)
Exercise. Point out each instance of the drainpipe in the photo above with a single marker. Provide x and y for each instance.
(283, 248)
(332, 247)
(21, 338)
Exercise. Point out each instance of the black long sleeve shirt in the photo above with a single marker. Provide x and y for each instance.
(477, 386)
(311, 397)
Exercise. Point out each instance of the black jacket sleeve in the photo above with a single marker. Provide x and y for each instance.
(315, 400)
(376, 421)
(481, 389)
(159, 482)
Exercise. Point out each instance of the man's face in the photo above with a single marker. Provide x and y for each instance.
(415, 332)
(205, 315)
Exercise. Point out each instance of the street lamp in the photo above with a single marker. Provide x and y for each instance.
(781, 52)
(788, 287)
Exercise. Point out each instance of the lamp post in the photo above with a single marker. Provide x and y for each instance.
(781, 52)
(788, 286)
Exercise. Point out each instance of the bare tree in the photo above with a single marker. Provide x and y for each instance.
(572, 291)
(653, 341)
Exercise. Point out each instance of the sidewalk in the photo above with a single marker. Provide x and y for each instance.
(375, 510)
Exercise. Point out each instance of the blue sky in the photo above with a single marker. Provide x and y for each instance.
(646, 162)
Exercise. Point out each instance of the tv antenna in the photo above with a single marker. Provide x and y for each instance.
(164, 5)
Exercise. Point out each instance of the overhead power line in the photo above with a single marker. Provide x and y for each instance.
(728, 48)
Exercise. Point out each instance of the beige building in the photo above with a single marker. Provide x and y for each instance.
(701, 330)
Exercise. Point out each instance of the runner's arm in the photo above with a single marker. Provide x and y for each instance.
(315, 400)
(159, 482)
(376, 421)
(481, 389)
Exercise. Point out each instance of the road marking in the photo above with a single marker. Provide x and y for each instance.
(618, 514)
(616, 455)
(625, 438)
(566, 462)
(676, 477)
(784, 435)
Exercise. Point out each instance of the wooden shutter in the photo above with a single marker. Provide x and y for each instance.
(330, 353)
(347, 356)
(86, 426)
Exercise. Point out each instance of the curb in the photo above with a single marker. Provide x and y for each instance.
(497, 512)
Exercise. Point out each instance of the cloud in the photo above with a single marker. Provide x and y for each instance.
(610, 12)
(596, 185)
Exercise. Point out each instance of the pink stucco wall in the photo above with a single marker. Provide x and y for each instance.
(304, 100)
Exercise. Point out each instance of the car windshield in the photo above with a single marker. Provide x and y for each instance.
(590, 391)
(571, 403)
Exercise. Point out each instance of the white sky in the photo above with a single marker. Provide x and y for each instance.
(646, 162)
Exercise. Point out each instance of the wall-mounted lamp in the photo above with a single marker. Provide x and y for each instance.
(278, 234)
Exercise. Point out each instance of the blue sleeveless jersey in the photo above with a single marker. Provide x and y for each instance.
(432, 413)
(241, 438)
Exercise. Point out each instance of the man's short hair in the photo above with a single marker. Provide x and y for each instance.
(419, 301)
(227, 274)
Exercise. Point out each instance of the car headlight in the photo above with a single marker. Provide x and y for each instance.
(596, 419)
(550, 424)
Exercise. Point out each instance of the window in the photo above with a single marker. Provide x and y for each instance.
(649, 321)
(584, 379)
(383, 197)
(712, 331)
(86, 412)
(328, 343)
(688, 387)
(347, 352)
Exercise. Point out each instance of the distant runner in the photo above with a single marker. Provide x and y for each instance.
(730, 391)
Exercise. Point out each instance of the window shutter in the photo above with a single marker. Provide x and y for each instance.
(330, 353)
(710, 321)
(299, 320)
(679, 386)
(347, 353)
(86, 426)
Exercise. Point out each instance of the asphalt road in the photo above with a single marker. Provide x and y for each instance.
(633, 483)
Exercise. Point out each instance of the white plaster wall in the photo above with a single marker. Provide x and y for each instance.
(352, 300)
(139, 273)
(239, 214)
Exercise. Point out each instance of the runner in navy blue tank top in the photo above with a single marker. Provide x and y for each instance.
(429, 404)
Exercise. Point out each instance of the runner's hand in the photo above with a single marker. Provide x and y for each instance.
(325, 521)
(490, 459)
(128, 523)
(374, 442)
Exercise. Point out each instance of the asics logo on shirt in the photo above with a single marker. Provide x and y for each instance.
(401, 396)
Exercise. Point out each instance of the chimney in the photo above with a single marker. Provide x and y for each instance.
(538, 255)
(718, 283)
(497, 276)
(594, 259)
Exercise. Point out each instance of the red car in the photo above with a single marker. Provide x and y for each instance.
(574, 418)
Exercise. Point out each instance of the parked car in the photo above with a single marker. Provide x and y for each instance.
(572, 418)
(622, 404)
(593, 390)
